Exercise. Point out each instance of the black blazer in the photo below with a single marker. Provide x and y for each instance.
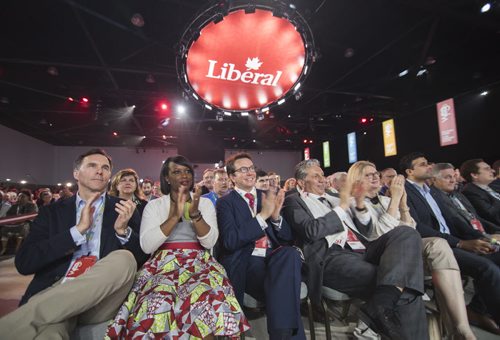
(48, 248)
(487, 206)
(495, 185)
(427, 223)
(238, 231)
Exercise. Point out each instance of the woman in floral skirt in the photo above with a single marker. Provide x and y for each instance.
(181, 292)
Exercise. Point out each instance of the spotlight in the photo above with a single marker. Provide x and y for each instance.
(484, 93)
(363, 120)
(59, 184)
(115, 133)
(71, 99)
(164, 106)
(403, 73)
(486, 7)
(85, 100)
(23, 182)
(181, 109)
(281, 101)
(227, 113)
(305, 141)
(421, 72)
(244, 114)
(69, 184)
(208, 107)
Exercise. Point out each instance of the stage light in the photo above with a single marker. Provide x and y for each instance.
(115, 133)
(265, 109)
(484, 93)
(85, 99)
(364, 120)
(208, 107)
(228, 114)
(23, 182)
(244, 114)
(486, 7)
(181, 109)
(310, 141)
(69, 184)
(164, 137)
(371, 119)
(71, 99)
(403, 73)
(421, 72)
(165, 122)
(7, 179)
(305, 141)
(164, 106)
(59, 184)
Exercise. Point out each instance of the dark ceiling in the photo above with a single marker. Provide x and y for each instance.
(52, 50)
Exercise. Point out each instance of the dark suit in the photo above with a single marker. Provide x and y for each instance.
(275, 278)
(487, 206)
(459, 219)
(483, 269)
(495, 185)
(388, 261)
(48, 248)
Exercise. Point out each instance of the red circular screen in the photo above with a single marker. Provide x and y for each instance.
(246, 61)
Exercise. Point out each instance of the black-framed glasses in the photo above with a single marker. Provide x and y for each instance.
(245, 169)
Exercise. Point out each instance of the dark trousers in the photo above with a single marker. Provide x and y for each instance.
(486, 274)
(276, 280)
(394, 259)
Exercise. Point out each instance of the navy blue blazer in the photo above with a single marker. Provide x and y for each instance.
(427, 223)
(238, 231)
(49, 247)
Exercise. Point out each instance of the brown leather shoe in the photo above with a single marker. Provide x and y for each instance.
(483, 321)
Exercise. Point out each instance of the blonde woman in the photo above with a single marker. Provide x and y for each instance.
(388, 213)
(125, 184)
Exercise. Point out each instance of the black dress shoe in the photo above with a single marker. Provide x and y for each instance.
(385, 321)
(482, 321)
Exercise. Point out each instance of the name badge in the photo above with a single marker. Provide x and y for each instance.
(261, 246)
(477, 225)
(354, 242)
(79, 267)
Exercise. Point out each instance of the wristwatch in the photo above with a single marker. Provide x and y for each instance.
(128, 231)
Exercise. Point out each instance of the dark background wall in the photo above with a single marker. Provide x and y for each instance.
(478, 125)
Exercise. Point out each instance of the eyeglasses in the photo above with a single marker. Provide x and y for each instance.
(222, 179)
(372, 175)
(181, 172)
(245, 169)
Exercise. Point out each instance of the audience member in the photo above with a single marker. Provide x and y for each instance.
(262, 181)
(388, 271)
(147, 189)
(290, 184)
(125, 185)
(45, 198)
(390, 213)
(74, 249)
(495, 185)
(470, 254)
(4, 204)
(255, 252)
(274, 180)
(181, 291)
(65, 193)
(207, 181)
(337, 181)
(221, 187)
(479, 175)
(386, 177)
(457, 209)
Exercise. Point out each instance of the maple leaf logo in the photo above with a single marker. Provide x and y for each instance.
(253, 64)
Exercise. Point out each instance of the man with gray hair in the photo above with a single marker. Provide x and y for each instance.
(337, 181)
(340, 254)
(476, 251)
